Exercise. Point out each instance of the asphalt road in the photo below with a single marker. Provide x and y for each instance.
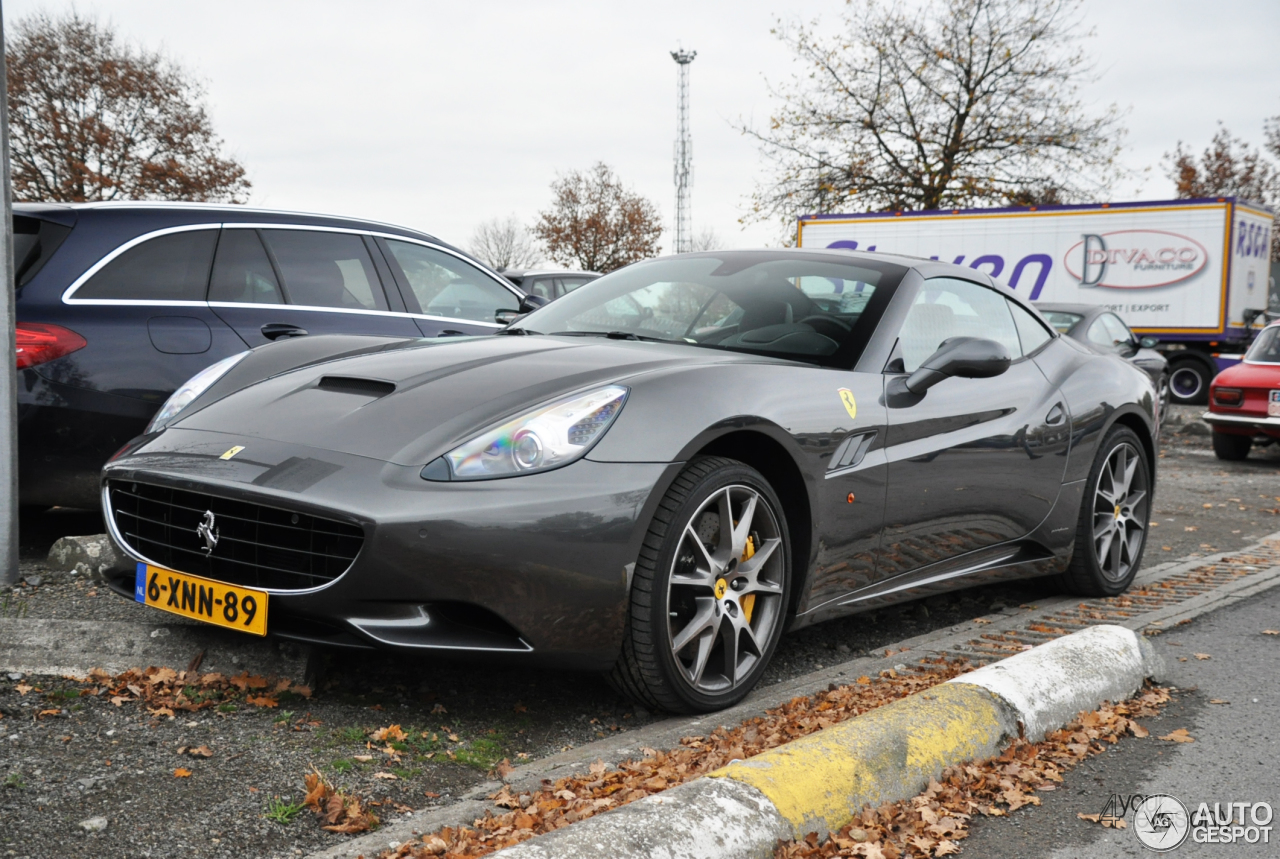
(1235, 756)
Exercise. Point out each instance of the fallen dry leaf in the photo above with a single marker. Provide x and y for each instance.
(981, 620)
(390, 733)
(262, 701)
(364, 759)
(1271, 632)
(387, 776)
(1202, 656)
(1218, 701)
(182, 772)
(1179, 736)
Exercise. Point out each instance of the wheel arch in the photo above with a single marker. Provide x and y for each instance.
(1142, 429)
(772, 459)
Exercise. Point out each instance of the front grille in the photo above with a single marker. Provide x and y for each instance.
(257, 546)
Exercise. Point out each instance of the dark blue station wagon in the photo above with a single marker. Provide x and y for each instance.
(118, 304)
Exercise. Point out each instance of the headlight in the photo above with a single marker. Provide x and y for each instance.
(549, 437)
(194, 387)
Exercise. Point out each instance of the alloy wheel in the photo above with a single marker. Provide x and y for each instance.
(725, 592)
(1120, 512)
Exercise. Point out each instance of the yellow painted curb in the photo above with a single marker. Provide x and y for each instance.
(819, 782)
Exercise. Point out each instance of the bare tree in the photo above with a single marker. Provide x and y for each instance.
(596, 223)
(942, 104)
(1229, 167)
(707, 240)
(504, 243)
(93, 118)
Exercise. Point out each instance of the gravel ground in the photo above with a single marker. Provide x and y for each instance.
(92, 759)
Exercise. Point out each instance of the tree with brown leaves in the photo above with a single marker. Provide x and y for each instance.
(93, 118)
(1229, 167)
(942, 104)
(596, 224)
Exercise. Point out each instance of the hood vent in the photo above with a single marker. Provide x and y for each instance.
(352, 385)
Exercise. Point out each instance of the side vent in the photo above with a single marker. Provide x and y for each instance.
(851, 451)
(352, 385)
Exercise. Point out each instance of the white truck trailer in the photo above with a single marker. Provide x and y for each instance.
(1193, 273)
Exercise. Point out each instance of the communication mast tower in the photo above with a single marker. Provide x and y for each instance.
(684, 154)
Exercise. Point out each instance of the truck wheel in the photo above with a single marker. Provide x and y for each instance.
(1189, 382)
(1232, 448)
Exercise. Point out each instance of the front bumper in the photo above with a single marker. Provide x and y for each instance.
(537, 566)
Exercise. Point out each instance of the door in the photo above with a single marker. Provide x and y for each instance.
(973, 462)
(450, 296)
(278, 282)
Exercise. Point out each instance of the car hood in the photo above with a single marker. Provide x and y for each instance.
(409, 405)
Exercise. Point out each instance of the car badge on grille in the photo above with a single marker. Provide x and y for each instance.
(208, 532)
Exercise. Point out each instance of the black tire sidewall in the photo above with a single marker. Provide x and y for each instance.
(1097, 582)
(729, 474)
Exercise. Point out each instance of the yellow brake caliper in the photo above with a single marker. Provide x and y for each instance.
(748, 601)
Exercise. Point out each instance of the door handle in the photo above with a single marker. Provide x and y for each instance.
(276, 330)
(1056, 415)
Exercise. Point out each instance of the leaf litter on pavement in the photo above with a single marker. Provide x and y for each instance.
(928, 825)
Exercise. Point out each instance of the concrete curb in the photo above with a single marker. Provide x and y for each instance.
(818, 783)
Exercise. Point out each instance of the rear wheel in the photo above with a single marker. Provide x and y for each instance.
(1112, 531)
(1189, 382)
(1230, 447)
(1165, 394)
(709, 593)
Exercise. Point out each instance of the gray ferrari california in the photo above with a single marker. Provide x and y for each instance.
(654, 476)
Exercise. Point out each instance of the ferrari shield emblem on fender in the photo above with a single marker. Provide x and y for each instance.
(850, 404)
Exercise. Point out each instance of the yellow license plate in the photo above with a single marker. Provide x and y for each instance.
(242, 609)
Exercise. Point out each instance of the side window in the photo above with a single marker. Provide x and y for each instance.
(569, 284)
(446, 286)
(1030, 331)
(167, 268)
(542, 286)
(947, 308)
(326, 269)
(242, 272)
(1120, 333)
(1099, 335)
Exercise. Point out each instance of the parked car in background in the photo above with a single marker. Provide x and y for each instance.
(1107, 332)
(1244, 400)
(548, 283)
(120, 304)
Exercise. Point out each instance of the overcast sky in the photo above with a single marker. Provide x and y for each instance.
(440, 115)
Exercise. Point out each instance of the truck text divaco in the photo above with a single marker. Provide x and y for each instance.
(1192, 272)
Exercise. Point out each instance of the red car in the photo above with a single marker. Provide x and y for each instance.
(1244, 400)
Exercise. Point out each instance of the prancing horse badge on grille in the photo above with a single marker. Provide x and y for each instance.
(208, 532)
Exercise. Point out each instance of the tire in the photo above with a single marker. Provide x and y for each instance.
(1232, 448)
(689, 601)
(1106, 559)
(1189, 382)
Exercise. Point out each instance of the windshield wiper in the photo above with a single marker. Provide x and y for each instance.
(516, 332)
(613, 335)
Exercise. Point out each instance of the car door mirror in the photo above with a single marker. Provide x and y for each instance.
(1148, 342)
(528, 304)
(966, 357)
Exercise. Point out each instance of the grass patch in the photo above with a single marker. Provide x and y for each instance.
(14, 781)
(403, 773)
(283, 716)
(227, 708)
(351, 735)
(281, 811)
(483, 753)
(342, 765)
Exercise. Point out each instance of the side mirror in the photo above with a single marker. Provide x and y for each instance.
(528, 304)
(966, 357)
(1148, 342)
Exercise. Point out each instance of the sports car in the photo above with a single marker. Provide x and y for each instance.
(1244, 400)
(654, 476)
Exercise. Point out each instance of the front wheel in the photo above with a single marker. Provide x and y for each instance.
(1112, 530)
(1189, 382)
(709, 593)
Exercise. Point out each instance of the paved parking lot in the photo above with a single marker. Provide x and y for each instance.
(90, 758)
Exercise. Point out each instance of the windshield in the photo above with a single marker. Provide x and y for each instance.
(788, 304)
(1060, 319)
(1266, 349)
